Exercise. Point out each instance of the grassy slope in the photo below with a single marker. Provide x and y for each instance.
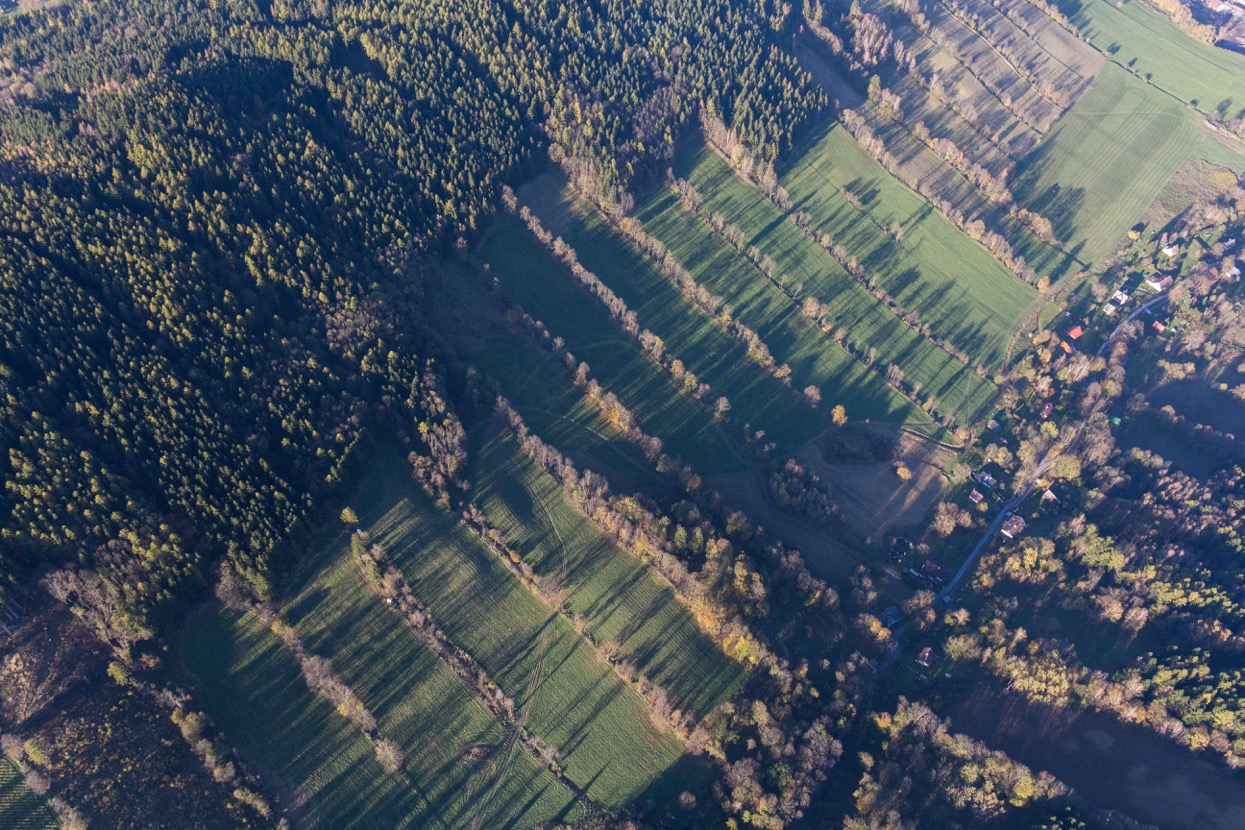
(917, 162)
(420, 703)
(620, 599)
(965, 295)
(1110, 156)
(21, 809)
(253, 689)
(793, 339)
(801, 260)
(599, 726)
(537, 386)
(1187, 68)
(547, 291)
(707, 351)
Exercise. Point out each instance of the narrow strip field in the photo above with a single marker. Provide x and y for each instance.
(455, 749)
(575, 703)
(1053, 38)
(1106, 161)
(977, 75)
(851, 307)
(814, 358)
(1063, 72)
(623, 603)
(543, 393)
(688, 333)
(936, 270)
(21, 809)
(529, 275)
(253, 689)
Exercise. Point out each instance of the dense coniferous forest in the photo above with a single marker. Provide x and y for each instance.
(216, 219)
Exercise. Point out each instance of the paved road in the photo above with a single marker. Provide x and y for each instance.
(971, 561)
(976, 552)
(1161, 297)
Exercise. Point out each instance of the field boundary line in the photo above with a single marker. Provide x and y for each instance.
(871, 367)
(389, 583)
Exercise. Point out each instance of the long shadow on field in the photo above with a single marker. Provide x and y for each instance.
(605, 607)
(965, 334)
(866, 192)
(1060, 204)
(689, 773)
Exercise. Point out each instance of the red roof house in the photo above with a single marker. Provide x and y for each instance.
(1013, 527)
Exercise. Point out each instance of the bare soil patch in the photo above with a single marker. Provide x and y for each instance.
(858, 464)
(861, 467)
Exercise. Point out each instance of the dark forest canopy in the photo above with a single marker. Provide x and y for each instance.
(214, 216)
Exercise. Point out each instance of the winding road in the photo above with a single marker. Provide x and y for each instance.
(971, 561)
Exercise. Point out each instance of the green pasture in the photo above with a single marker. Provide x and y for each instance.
(756, 397)
(623, 602)
(966, 296)
(21, 809)
(546, 290)
(458, 755)
(915, 162)
(1143, 40)
(600, 728)
(802, 261)
(537, 385)
(252, 687)
(792, 338)
(1108, 158)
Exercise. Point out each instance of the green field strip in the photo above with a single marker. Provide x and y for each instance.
(756, 397)
(1106, 160)
(538, 386)
(546, 290)
(605, 740)
(252, 687)
(917, 163)
(851, 306)
(622, 601)
(21, 809)
(923, 165)
(1148, 43)
(795, 340)
(455, 749)
(965, 295)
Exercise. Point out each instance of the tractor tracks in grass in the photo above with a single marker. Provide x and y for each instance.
(514, 733)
